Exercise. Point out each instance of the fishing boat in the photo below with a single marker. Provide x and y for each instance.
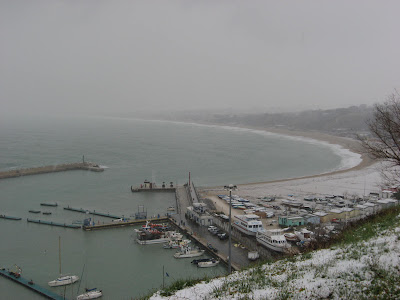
(248, 224)
(273, 239)
(208, 264)
(154, 236)
(175, 244)
(62, 280)
(90, 294)
(187, 251)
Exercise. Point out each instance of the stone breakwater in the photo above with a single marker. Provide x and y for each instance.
(50, 169)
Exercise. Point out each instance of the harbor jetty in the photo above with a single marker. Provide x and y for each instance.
(123, 223)
(51, 169)
(148, 186)
(85, 211)
(16, 277)
(53, 223)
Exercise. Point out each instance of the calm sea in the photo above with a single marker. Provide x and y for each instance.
(132, 151)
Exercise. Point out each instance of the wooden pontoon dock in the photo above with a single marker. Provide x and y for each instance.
(54, 223)
(86, 211)
(30, 285)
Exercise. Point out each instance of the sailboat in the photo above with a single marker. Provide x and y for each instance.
(89, 293)
(62, 280)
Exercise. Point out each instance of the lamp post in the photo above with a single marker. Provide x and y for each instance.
(230, 188)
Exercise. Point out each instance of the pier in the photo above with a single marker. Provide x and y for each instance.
(124, 223)
(54, 224)
(85, 211)
(51, 169)
(30, 285)
(10, 217)
(148, 186)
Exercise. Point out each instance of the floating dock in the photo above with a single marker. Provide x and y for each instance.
(51, 169)
(34, 287)
(124, 223)
(54, 224)
(85, 211)
(49, 204)
(10, 218)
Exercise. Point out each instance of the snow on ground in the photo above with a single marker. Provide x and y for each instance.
(351, 271)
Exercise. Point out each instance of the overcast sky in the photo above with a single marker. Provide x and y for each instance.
(96, 56)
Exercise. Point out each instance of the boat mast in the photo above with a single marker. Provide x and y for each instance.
(59, 252)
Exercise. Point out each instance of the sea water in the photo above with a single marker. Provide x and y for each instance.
(131, 151)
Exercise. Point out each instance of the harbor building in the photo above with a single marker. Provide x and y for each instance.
(198, 214)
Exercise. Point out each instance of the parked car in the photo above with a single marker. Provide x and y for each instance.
(222, 236)
(212, 248)
(212, 228)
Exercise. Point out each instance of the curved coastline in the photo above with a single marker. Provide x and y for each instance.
(336, 142)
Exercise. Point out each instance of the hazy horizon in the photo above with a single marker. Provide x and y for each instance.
(123, 57)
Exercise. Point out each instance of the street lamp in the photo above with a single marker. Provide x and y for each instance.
(230, 188)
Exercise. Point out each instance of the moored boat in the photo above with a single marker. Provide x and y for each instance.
(208, 264)
(64, 280)
(196, 261)
(187, 252)
(10, 217)
(34, 211)
(273, 239)
(90, 294)
(46, 213)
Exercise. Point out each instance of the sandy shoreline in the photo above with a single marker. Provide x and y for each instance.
(347, 143)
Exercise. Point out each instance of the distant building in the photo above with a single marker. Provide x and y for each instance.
(291, 221)
(198, 214)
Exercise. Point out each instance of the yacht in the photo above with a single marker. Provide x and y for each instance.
(249, 224)
(273, 239)
(64, 280)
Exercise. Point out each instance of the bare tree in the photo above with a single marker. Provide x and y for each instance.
(384, 142)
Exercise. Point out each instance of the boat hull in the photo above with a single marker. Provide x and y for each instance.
(155, 241)
(65, 280)
(90, 295)
(244, 230)
(207, 264)
(190, 254)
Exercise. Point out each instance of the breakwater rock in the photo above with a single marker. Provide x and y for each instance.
(50, 169)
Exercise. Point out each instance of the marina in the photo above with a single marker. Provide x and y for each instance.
(111, 192)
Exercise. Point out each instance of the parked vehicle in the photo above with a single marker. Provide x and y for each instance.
(222, 236)
(212, 248)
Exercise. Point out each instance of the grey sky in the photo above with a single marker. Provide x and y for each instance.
(122, 56)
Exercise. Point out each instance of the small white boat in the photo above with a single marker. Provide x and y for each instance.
(291, 237)
(187, 251)
(90, 294)
(171, 208)
(64, 280)
(175, 244)
(305, 235)
(208, 264)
